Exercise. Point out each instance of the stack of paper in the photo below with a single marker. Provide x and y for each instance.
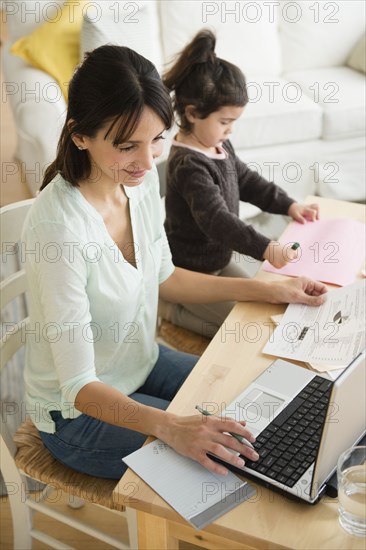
(332, 371)
(327, 337)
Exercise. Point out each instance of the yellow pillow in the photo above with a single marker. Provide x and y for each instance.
(54, 47)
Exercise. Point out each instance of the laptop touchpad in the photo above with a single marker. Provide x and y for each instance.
(258, 403)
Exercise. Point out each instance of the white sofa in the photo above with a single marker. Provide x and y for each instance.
(304, 126)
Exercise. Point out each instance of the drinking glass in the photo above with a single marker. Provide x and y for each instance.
(351, 472)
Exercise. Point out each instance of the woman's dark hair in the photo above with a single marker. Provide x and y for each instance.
(201, 79)
(112, 85)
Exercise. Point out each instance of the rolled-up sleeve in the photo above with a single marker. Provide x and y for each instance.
(60, 274)
(166, 266)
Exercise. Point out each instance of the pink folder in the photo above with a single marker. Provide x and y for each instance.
(331, 251)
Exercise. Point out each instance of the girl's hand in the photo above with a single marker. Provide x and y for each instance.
(278, 254)
(195, 436)
(304, 212)
(300, 290)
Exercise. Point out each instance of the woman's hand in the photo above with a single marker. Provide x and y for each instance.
(278, 254)
(304, 212)
(300, 290)
(195, 436)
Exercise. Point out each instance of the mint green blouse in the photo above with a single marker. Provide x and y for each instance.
(92, 314)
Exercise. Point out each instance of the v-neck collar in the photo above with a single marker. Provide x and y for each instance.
(93, 212)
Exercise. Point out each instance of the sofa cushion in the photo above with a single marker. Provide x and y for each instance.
(357, 59)
(22, 17)
(278, 112)
(342, 176)
(319, 34)
(340, 92)
(329, 168)
(125, 24)
(54, 46)
(246, 35)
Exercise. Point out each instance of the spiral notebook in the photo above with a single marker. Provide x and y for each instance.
(195, 493)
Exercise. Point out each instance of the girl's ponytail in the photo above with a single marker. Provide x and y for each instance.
(200, 78)
(200, 50)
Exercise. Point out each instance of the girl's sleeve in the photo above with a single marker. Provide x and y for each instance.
(255, 189)
(209, 210)
(57, 278)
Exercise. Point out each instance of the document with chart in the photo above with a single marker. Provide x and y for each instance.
(331, 334)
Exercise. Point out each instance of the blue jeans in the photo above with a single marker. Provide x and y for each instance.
(93, 447)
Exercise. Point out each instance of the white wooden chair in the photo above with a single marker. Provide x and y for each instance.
(28, 457)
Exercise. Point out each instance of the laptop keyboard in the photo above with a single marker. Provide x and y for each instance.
(289, 444)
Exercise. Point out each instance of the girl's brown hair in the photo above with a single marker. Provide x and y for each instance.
(200, 78)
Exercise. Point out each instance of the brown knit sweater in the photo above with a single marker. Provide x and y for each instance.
(202, 207)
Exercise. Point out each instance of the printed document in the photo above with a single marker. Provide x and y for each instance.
(331, 334)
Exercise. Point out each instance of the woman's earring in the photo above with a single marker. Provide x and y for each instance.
(80, 148)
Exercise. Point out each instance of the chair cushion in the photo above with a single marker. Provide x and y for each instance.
(182, 339)
(33, 459)
(340, 92)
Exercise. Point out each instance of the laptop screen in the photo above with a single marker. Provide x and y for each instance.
(345, 421)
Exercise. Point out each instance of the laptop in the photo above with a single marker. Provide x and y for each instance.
(302, 421)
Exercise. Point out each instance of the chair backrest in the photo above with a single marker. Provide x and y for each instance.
(13, 285)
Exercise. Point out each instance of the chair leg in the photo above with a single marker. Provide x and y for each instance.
(21, 516)
(132, 528)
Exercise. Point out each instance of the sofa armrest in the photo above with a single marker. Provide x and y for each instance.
(39, 111)
(24, 83)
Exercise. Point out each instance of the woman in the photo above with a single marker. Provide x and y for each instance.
(97, 260)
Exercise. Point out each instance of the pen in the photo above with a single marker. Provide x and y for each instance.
(238, 437)
(295, 246)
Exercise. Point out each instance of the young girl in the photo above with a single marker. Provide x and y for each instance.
(206, 180)
(97, 261)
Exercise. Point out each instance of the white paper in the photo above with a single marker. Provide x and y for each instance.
(331, 334)
(333, 375)
(333, 371)
(186, 485)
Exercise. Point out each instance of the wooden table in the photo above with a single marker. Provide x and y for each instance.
(270, 520)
